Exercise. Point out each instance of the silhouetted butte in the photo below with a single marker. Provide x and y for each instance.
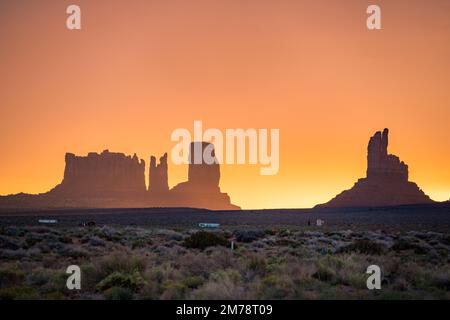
(386, 183)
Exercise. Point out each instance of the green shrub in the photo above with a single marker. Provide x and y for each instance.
(141, 243)
(18, 293)
(100, 268)
(365, 247)
(193, 282)
(257, 264)
(277, 287)
(203, 239)
(39, 277)
(10, 277)
(173, 290)
(118, 293)
(223, 284)
(133, 281)
(323, 274)
(403, 245)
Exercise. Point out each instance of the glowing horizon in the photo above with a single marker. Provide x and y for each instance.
(137, 71)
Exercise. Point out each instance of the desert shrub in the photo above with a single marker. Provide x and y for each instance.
(324, 274)
(151, 291)
(118, 293)
(429, 278)
(10, 277)
(13, 231)
(222, 258)
(257, 264)
(404, 245)
(224, 284)
(195, 264)
(396, 295)
(441, 281)
(141, 243)
(133, 281)
(170, 234)
(32, 238)
(120, 262)
(173, 290)
(164, 282)
(400, 284)
(102, 267)
(446, 240)
(418, 276)
(49, 281)
(54, 295)
(91, 276)
(108, 233)
(203, 239)
(277, 287)
(39, 278)
(287, 243)
(284, 233)
(298, 270)
(193, 282)
(356, 280)
(96, 242)
(43, 229)
(270, 232)
(13, 254)
(347, 270)
(9, 244)
(248, 235)
(18, 293)
(364, 247)
(73, 251)
(66, 239)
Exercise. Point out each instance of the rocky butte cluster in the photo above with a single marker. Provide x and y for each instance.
(116, 180)
(202, 187)
(201, 190)
(105, 175)
(386, 183)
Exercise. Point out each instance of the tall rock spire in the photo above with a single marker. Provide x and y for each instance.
(202, 188)
(158, 177)
(386, 183)
(203, 175)
(382, 165)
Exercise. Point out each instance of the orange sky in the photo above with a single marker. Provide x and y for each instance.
(140, 69)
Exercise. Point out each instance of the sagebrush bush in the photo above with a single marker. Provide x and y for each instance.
(324, 274)
(173, 290)
(257, 264)
(132, 281)
(404, 245)
(203, 239)
(193, 282)
(118, 293)
(224, 284)
(365, 247)
(19, 293)
(11, 277)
